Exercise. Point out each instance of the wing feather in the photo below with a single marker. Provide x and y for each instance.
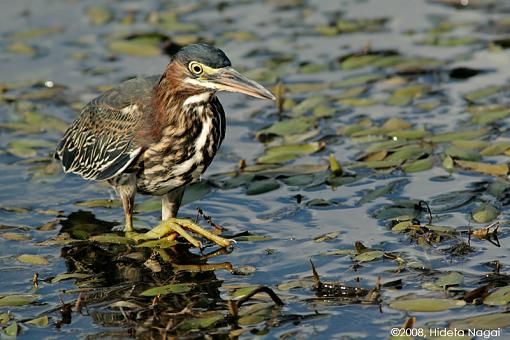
(100, 144)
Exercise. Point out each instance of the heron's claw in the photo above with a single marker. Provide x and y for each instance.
(181, 226)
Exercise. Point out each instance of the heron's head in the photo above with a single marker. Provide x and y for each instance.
(205, 68)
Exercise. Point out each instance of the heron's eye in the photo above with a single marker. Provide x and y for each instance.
(196, 68)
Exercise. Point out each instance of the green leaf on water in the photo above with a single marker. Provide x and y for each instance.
(357, 80)
(4, 318)
(464, 154)
(33, 259)
(474, 144)
(100, 203)
(426, 304)
(489, 117)
(497, 148)
(253, 237)
(487, 168)
(334, 166)
(205, 320)
(239, 36)
(20, 47)
(35, 32)
(448, 164)
(408, 134)
(284, 153)
(42, 321)
(110, 238)
(450, 279)
(451, 136)
(22, 151)
(174, 288)
(409, 152)
(485, 92)
(12, 329)
(369, 256)
(308, 104)
(323, 111)
(326, 237)
(358, 102)
(485, 213)
(17, 300)
(419, 165)
(138, 46)
(378, 164)
(243, 291)
(15, 236)
(380, 191)
(298, 283)
(499, 297)
(485, 321)
(262, 186)
(300, 180)
(286, 127)
(439, 40)
(396, 124)
(254, 314)
(69, 276)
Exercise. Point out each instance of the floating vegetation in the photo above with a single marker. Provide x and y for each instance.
(385, 160)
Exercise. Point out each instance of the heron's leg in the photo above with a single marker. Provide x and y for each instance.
(170, 203)
(125, 185)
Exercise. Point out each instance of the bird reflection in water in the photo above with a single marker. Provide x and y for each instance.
(120, 273)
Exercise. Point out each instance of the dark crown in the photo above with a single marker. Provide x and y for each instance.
(204, 54)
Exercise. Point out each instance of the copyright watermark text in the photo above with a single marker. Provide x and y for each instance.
(446, 332)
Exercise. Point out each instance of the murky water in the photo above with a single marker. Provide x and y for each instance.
(74, 59)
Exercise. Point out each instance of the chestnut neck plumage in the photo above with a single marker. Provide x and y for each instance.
(169, 99)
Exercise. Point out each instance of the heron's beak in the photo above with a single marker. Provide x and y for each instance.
(228, 79)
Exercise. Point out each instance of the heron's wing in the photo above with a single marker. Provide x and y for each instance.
(100, 144)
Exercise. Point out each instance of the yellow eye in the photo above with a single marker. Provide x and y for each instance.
(196, 68)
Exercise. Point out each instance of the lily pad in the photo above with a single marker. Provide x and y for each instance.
(426, 304)
(450, 279)
(485, 213)
(287, 127)
(42, 321)
(262, 186)
(284, 153)
(69, 276)
(33, 259)
(369, 256)
(110, 238)
(485, 321)
(499, 297)
(11, 330)
(483, 93)
(175, 288)
(205, 320)
(17, 300)
(487, 168)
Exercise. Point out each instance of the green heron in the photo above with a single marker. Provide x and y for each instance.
(155, 135)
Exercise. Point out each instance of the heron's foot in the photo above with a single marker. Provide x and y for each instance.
(180, 226)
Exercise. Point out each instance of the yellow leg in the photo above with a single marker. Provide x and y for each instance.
(188, 224)
(178, 225)
(129, 222)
